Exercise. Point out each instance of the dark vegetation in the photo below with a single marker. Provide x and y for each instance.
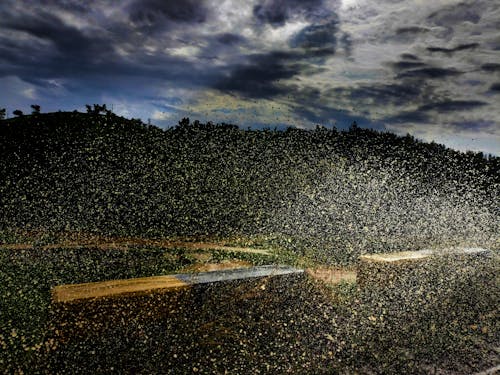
(345, 192)
(323, 195)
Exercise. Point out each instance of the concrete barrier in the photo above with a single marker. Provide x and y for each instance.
(208, 315)
(144, 285)
(80, 310)
(385, 269)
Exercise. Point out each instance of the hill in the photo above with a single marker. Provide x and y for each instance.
(325, 193)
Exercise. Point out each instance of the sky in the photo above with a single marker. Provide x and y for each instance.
(430, 68)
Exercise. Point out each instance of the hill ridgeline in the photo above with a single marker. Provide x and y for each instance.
(331, 194)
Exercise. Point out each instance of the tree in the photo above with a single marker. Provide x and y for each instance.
(36, 109)
(184, 121)
(18, 113)
(3, 113)
(98, 109)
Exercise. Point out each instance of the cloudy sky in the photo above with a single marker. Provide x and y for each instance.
(430, 68)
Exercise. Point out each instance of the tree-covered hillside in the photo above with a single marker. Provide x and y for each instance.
(334, 194)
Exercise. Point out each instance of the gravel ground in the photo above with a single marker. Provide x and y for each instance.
(438, 319)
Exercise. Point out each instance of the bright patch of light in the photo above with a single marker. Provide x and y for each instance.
(158, 115)
(184, 51)
(347, 4)
(278, 36)
(29, 93)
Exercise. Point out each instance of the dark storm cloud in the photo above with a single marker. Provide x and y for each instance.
(381, 94)
(460, 47)
(319, 53)
(452, 105)
(278, 12)
(90, 61)
(159, 13)
(412, 30)
(230, 39)
(154, 52)
(85, 58)
(406, 34)
(66, 39)
(495, 88)
(430, 73)
(491, 67)
(405, 65)
(223, 47)
(55, 49)
(260, 77)
(13, 54)
(73, 54)
(78, 6)
(409, 56)
(318, 41)
(316, 36)
(346, 43)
